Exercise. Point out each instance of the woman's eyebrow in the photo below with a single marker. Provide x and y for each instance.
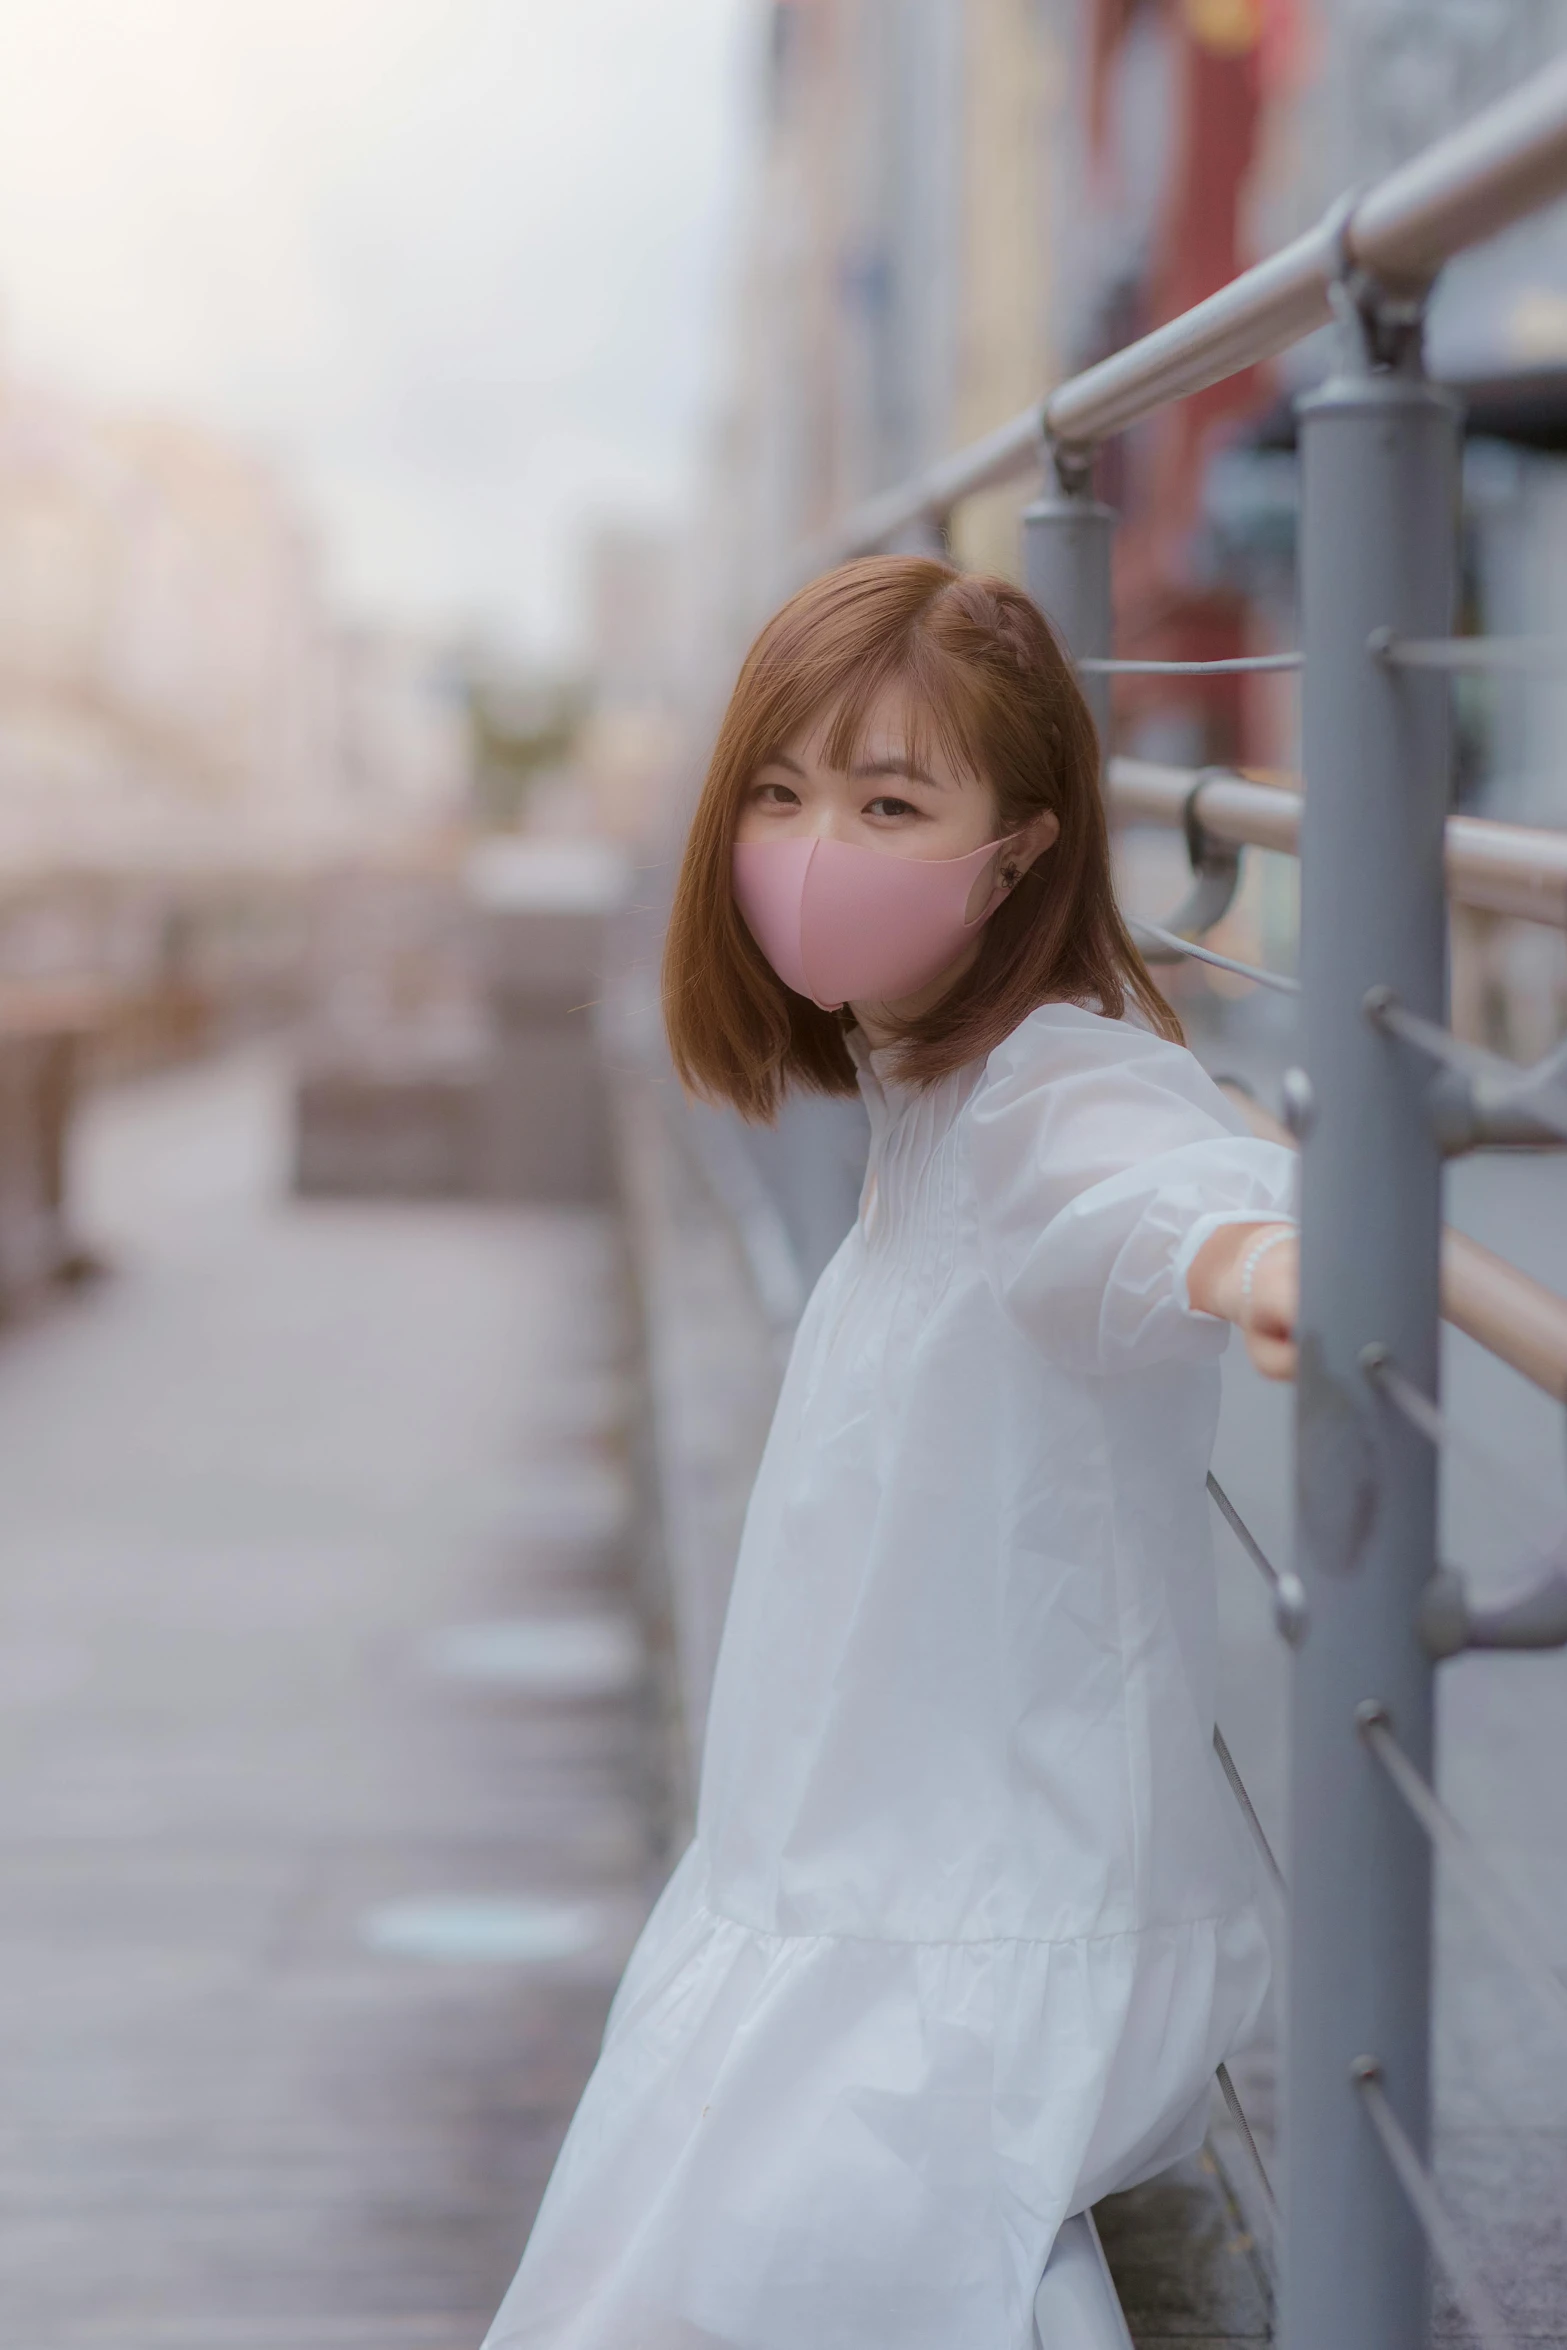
(869, 768)
(782, 759)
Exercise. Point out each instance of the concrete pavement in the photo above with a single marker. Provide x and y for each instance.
(324, 1753)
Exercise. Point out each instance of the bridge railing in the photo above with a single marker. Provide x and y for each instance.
(1383, 1096)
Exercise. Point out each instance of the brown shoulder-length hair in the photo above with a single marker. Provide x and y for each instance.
(987, 680)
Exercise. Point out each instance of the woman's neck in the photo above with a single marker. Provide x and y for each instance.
(888, 1023)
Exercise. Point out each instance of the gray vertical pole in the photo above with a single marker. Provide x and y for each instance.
(1066, 568)
(1379, 502)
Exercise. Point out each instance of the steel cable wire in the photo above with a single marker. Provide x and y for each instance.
(1244, 1536)
(1540, 1516)
(1289, 1597)
(1185, 946)
(1244, 664)
(1237, 2114)
(1510, 1926)
(1470, 652)
(1248, 1808)
(1428, 2208)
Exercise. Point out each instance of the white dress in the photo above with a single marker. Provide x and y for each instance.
(968, 1921)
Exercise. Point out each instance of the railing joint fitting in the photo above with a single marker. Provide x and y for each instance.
(1203, 852)
(1383, 328)
(1451, 1624)
(1215, 870)
(1072, 465)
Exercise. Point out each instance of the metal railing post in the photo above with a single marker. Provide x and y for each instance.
(1066, 569)
(1379, 501)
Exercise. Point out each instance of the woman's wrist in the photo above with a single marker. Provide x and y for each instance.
(1222, 1276)
(1271, 1237)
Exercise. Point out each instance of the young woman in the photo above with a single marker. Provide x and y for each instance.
(967, 1923)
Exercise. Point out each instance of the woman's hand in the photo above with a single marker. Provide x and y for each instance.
(1218, 1284)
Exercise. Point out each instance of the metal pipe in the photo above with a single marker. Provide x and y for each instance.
(1012, 450)
(1504, 1311)
(1379, 496)
(1506, 162)
(1229, 809)
(1509, 161)
(1066, 567)
(1513, 869)
(1516, 869)
(1255, 316)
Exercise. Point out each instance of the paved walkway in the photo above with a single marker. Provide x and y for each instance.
(323, 1827)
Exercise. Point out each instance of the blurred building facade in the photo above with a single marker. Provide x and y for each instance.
(176, 690)
(894, 291)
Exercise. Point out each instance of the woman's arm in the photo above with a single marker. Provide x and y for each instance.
(1104, 1160)
(1249, 1274)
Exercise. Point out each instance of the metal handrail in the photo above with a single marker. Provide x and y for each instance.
(1512, 869)
(1013, 449)
(1495, 169)
(1513, 1317)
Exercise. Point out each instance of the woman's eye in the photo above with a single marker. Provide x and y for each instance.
(776, 795)
(886, 805)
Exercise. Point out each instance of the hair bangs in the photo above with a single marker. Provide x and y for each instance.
(941, 710)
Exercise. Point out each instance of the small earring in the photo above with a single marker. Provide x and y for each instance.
(1010, 876)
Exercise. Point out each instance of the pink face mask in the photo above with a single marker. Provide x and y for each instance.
(843, 924)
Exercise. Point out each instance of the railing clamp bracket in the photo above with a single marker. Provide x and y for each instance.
(1072, 465)
(1381, 328)
(1215, 868)
(1449, 1622)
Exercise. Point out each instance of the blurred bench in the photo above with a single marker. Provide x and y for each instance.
(454, 1051)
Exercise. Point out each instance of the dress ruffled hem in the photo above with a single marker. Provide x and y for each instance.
(829, 2143)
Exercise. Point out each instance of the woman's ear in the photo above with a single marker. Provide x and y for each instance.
(1035, 838)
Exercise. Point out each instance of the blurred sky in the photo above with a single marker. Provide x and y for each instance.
(456, 261)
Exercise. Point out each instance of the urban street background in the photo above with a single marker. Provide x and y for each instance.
(408, 413)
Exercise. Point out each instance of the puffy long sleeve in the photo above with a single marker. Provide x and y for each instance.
(1104, 1158)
